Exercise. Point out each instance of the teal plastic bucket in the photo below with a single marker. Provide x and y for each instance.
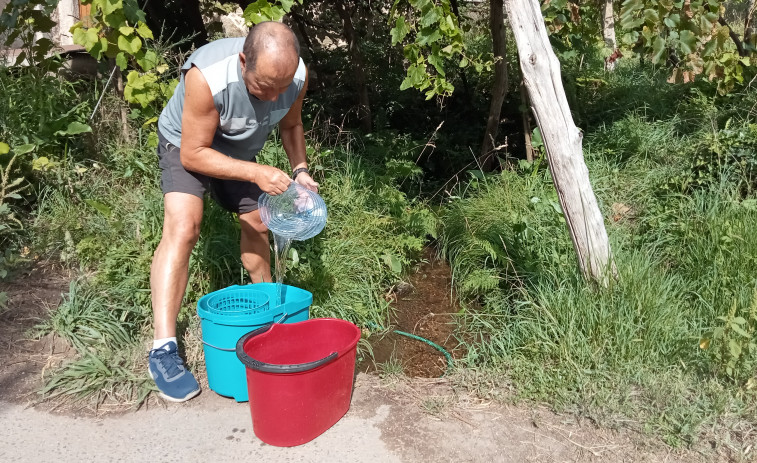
(228, 314)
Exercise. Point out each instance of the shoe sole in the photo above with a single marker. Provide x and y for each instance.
(174, 399)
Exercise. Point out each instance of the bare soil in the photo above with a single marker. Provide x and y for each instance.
(423, 306)
(33, 292)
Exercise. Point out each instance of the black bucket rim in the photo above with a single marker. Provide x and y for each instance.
(264, 367)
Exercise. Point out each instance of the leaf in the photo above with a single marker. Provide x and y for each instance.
(393, 263)
(556, 206)
(131, 46)
(429, 35)
(651, 16)
(121, 61)
(286, 5)
(431, 17)
(734, 348)
(294, 256)
(710, 48)
(148, 60)
(406, 83)
(132, 11)
(658, 49)
(740, 331)
(100, 207)
(437, 61)
(536, 140)
(708, 20)
(688, 41)
(630, 38)
(109, 6)
(23, 149)
(4, 148)
(126, 30)
(144, 31)
(672, 21)
(41, 163)
(74, 128)
(400, 30)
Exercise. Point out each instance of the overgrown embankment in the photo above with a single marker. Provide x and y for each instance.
(669, 347)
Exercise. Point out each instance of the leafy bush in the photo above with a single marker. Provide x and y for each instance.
(504, 233)
(732, 149)
(733, 345)
(41, 118)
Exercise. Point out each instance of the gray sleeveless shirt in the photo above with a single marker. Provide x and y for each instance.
(245, 121)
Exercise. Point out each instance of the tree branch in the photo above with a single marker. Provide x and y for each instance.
(734, 37)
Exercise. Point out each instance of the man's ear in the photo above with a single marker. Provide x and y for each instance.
(242, 61)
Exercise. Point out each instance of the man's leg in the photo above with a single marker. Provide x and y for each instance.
(168, 282)
(170, 265)
(256, 254)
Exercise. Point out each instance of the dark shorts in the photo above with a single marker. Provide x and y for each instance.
(232, 195)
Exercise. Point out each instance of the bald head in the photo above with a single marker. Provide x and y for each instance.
(273, 43)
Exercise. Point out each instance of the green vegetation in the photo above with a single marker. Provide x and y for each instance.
(669, 348)
(671, 344)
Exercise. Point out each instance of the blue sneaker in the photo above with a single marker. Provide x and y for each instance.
(174, 381)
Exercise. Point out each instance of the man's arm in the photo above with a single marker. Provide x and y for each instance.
(293, 139)
(198, 127)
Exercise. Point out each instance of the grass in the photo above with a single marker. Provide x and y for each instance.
(631, 355)
(106, 219)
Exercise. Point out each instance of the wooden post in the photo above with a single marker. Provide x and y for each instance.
(562, 140)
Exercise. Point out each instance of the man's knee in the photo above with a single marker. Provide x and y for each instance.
(182, 232)
(252, 225)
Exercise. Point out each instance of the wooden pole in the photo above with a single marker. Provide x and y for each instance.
(562, 140)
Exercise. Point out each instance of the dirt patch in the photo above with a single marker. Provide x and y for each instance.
(34, 291)
(429, 419)
(424, 306)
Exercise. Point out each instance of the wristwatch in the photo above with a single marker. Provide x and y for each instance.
(298, 171)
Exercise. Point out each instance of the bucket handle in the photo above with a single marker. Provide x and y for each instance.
(219, 348)
(275, 368)
(234, 349)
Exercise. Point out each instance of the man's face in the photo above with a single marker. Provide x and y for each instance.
(271, 77)
(264, 87)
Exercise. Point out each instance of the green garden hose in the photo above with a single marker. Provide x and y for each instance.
(427, 341)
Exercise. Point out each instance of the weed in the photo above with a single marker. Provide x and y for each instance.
(99, 378)
(391, 370)
(733, 345)
(435, 405)
(87, 319)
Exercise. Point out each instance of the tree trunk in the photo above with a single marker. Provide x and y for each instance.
(526, 116)
(748, 25)
(499, 45)
(608, 32)
(123, 105)
(562, 140)
(358, 67)
(608, 26)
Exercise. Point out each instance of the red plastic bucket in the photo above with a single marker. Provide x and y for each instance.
(299, 377)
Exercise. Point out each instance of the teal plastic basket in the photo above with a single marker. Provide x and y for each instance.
(228, 314)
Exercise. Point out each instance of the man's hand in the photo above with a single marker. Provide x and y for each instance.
(307, 181)
(271, 180)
